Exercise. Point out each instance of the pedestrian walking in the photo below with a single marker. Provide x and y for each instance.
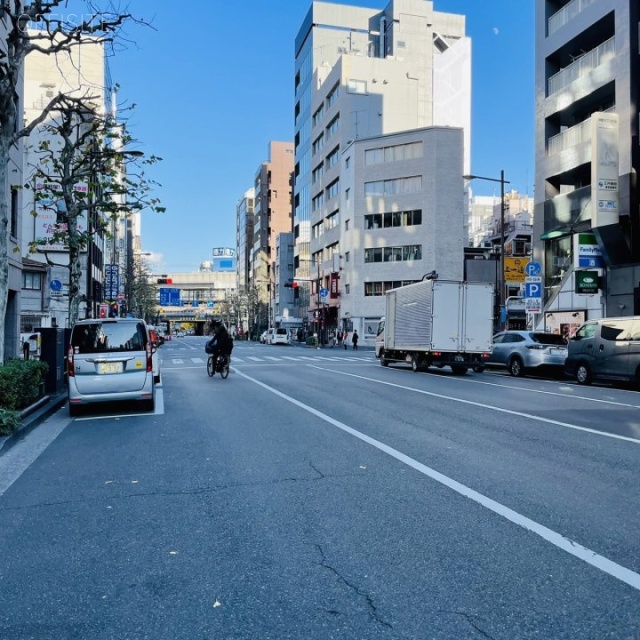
(354, 339)
(344, 340)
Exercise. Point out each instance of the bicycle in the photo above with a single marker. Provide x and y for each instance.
(220, 366)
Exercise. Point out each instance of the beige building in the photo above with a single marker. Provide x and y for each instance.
(79, 73)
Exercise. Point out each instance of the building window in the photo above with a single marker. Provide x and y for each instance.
(357, 86)
(317, 202)
(393, 254)
(318, 172)
(333, 157)
(390, 219)
(332, 96)
(332, 221)
(317, 116)
(32, 280)
(347, 288)
(347, 193)
(318, 143)
(347, 162)
(346, 225)
(346, 256)
(333, 126)
(399, 186)
(394, 153)
(333, 189)
(380, 288)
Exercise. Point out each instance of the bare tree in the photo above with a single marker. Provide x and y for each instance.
(85, 181)
(54, 34)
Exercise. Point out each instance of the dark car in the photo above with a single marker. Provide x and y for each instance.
(527, 351)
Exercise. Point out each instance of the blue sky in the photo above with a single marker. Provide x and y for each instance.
(212, 88)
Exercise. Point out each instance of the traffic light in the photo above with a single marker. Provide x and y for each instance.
(290, 283)
(165, 280)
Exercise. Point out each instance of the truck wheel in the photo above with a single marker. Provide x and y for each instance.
(583, 373)
(516, 367)
(478, 368)
(415, 363)
(383, 361)
(458, 370)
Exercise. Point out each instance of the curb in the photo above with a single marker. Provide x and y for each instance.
(31, 417)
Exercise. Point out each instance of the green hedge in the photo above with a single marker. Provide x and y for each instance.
(312, 341)
(20, 386)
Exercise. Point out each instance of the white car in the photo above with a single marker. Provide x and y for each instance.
(279, 336)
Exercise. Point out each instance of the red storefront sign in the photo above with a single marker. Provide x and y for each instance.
(333, 291)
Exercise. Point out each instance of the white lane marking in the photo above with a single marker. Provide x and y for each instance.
(197, 360)
(520, 414)
(549, 393)
(255, 359)
(177, 361)
(290, 358)
(561, 542)
(24, 453)
(272, 358)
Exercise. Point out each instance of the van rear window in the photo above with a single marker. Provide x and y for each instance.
(108, 337)
(281, 332)
(548, 338)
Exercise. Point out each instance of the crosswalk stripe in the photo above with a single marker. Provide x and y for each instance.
(290, 358)
(255, 359)
(177, 361)
(197, 360)
(272, 358)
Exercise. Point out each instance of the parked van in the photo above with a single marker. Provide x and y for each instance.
(110, 360)
(607, 349)
(280, 336)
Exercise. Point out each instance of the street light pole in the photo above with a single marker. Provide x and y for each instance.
(501, 280)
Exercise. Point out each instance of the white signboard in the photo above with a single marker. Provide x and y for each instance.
(50, 213)
(533, 305)
(604, 169)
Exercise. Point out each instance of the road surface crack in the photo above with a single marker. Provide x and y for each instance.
(373, 610)
(469, 618)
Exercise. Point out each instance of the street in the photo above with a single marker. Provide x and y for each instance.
(314, 494)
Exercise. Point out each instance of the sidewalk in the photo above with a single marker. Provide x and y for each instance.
(31, 417)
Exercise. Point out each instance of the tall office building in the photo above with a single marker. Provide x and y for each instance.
(363, 73)
(587, 156)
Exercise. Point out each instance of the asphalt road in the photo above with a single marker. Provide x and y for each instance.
(316, 494)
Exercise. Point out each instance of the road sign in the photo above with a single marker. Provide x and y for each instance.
(533, 289)
(324, 293)
(533, 268)
(533, 305)
(55, 285)
(169, 296)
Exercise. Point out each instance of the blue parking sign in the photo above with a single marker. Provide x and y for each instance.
(533, 290)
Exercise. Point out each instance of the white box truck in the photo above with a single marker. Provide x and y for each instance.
(437, 323)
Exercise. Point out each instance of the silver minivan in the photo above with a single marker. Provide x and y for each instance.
(607, 349)
(110, 360)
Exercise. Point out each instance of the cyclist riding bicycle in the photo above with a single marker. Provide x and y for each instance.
(221, 344)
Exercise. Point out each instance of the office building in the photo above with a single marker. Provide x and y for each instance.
(362, 73)
(587, 157)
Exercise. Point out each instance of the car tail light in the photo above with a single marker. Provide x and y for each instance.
(149, 357)
(70, 370)
(537, 346)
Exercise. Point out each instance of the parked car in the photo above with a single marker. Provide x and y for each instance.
(527, 351)
(607, 349)
(108, 360)
(280, 336)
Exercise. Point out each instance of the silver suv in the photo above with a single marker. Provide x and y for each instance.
(522, 351)
(110, 360)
